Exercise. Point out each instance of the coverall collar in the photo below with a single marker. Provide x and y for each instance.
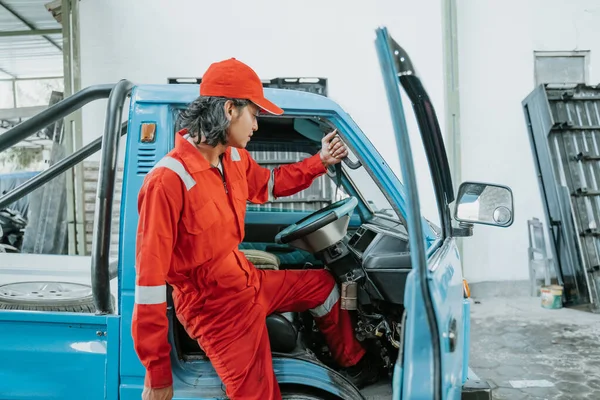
(194, 160)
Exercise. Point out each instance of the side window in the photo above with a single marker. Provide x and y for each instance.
(320, 194)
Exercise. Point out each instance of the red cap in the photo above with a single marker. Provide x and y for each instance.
(235, 80)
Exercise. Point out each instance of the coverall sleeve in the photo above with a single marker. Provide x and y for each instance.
(286, 180)
(159, 209)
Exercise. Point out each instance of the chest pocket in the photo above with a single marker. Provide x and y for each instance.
(200, 227)
(239, 190)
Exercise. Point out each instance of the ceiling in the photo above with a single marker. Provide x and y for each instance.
(30, 39)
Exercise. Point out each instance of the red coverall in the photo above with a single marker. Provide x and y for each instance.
(190, 225)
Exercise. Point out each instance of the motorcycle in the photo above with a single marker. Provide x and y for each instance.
(12, 230)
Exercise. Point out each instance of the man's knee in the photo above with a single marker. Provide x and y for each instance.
(323, 282)
(325, 278)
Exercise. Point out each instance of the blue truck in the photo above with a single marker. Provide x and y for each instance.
(400, 272)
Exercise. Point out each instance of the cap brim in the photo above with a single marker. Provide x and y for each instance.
(268, 106)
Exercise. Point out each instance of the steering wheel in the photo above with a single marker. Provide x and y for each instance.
(317, 220)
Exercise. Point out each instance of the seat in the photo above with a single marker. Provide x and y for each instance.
(261, 259)
(288, 256)
(282, 332)
(283, 335)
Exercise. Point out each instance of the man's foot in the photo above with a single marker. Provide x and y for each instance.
(365, 372)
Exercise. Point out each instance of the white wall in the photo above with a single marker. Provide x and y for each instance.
(332, 39)
(496, 41)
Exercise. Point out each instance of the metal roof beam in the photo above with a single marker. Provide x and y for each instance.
(32, 32)
(8, 73)
(29, 25)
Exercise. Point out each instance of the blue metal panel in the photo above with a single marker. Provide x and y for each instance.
(415, 381)
(447, 291)
(57, 355)
(446, 284)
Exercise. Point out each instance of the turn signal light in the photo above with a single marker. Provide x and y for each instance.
(466, 289)
(148, 132)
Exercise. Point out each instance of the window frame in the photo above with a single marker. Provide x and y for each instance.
(585, 54)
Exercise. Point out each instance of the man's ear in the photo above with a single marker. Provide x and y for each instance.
(229, 109)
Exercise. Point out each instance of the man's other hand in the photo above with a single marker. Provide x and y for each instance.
(157, 394)
(333, 150)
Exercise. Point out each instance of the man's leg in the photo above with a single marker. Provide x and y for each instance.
(244, 363)
(314, 290)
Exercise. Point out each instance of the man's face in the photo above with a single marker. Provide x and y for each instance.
(243, 125)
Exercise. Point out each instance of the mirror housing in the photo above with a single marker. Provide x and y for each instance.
(484, 203)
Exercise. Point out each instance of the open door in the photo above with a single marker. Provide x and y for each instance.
(434, 364)
(434, 334)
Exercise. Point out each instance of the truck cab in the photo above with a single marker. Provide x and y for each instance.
(400, 274)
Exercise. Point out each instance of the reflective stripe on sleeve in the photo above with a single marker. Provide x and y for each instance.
(150, 294)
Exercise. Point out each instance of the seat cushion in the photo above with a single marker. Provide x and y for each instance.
(282, 333)
(288, 256)
(261, 259)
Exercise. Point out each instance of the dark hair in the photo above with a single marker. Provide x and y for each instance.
(206, 115)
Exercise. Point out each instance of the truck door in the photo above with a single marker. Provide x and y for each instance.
(431, 366)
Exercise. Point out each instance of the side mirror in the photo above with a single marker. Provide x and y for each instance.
(484, 203)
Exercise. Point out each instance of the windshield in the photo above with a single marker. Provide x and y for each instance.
(368, 189)
(373, 196)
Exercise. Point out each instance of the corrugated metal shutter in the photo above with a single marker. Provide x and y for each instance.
(317, 196)
(90, 185)
(564, 125)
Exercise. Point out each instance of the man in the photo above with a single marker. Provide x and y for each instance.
(191, 220)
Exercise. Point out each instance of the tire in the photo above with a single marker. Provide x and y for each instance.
(296, 394)
(300, 396)
(47, 296)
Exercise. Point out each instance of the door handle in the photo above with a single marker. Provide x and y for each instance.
(452, 335)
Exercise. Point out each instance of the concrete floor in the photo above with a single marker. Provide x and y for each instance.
(515, 339)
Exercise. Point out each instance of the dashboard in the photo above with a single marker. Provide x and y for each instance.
(381, 247)
(378, 236)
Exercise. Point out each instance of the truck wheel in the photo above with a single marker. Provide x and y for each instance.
(47, 296)
(299, 396)
(294, 395)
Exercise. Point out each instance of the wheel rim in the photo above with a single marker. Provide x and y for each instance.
(44, 291)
